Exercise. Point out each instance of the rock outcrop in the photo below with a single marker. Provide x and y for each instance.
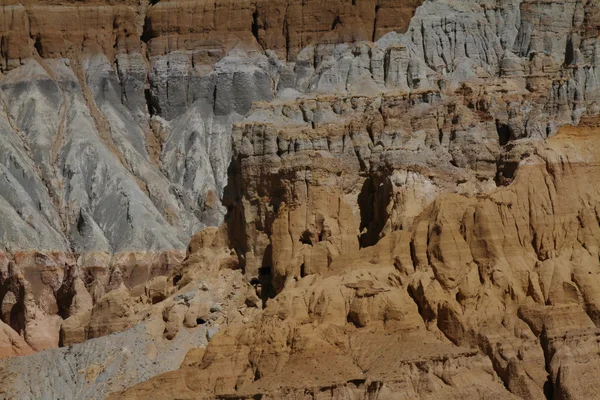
(11, 343)
(130, 336)
(116, 121)
(494, 293)
(408, 189)
(117, 137)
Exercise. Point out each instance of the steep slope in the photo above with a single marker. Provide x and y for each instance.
(88, 90)
(116, 121)
(128, 107)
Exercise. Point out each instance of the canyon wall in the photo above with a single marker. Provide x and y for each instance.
(488, 296)
(382, 172)
(116, 119)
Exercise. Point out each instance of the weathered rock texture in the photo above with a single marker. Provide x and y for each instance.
(144, 332)
(116, 117)
(471, 296)
(117, 121)
(418, 214)
(116, 125)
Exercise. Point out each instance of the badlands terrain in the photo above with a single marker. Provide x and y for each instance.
(267, 199)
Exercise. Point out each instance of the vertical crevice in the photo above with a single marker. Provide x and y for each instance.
(146, 30)
(374, 35)
(286, 35)
(549, 385)
(286, 32)
(17, 318)
(503, 131)
(255, 25)
(151, 103)
(373, 200)
(337, 21)
(569, 52)
(37, 44)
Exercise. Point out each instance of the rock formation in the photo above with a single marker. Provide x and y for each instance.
(406, 196)
(509, 275)
(130, 336)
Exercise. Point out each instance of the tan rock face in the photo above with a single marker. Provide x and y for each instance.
(52, 299)
(55, 29)
(51, 29)
(309, 195)
(411, 218)
(285, 26)
(54, 296)
(11, 344)
(501, 285)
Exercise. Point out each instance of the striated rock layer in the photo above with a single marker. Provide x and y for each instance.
(117, 123)
(136, 334)
(116, 117)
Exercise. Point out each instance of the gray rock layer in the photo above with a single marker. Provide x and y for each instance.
(132, 153)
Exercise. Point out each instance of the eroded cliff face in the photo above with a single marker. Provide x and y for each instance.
(117, 116)
(416, 215)
(116, 119)
(436, 241)
(493, 295)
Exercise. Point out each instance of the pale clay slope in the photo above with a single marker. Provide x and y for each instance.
(85, 171)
